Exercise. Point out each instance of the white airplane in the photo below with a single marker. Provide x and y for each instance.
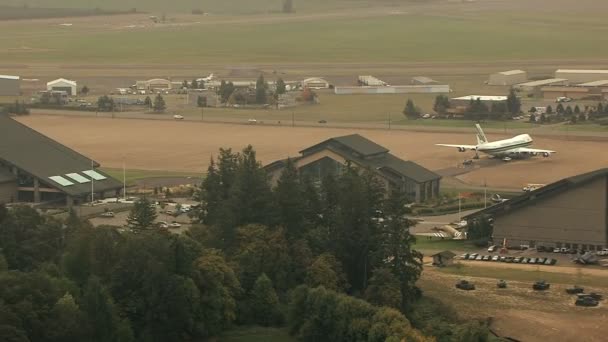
(206, 79)
(514, 147)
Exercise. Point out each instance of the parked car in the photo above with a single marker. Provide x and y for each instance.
(586, 301)
(174, 225)
(108, 214)
(575, 290)
(501, 284)
(492, 249)
(509, 259)
(525, 260)
(162, 225)
(532, 261)
(517, 260)
(479, 258)
(322, 121)
(540, 285)
(178, 117)
(464, 256)
(465, 285)
(473, 256)
(496, 258)
(550, 262)
(556, 250)
(486, 258)
(541, 261)
(563, 250)
(503, 259)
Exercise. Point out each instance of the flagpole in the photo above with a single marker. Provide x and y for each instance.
(92, 183)
(124, 179)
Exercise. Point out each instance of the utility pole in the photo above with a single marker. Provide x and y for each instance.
(293, 119)
(485, 194)
(202, 113)
(124, 178)
(389, 121)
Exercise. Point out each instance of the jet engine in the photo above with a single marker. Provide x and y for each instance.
(546, 154)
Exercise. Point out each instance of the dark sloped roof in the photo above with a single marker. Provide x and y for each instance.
(354, 142)
(445, 254)
(43, 157)
(540, 193)
(408, 168)
(6, 176)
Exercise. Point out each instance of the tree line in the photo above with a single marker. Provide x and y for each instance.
(272, 256)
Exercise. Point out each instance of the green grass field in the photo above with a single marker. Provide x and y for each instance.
(372, 40)
(132, 176)
(531, 275)
(423, 244)
(211, 6)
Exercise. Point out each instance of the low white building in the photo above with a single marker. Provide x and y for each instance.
(61, 84)
(507, 78)
(581, 76)
(487, 99)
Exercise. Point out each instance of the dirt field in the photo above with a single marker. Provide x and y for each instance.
(518, 311)
(188, 146)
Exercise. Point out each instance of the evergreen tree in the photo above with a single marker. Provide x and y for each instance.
(513, 103)
(384, 289)
(532, 118)
(290, 202)
(281, 87)
(577, 110)
(142, 214)
(287, 6)
(560, 108)
(159, 104)
(397, 248)
(568, 111)
(148, 101)
(65, 322)
(265, 302)
(260, 90)
(185, 85)
(549, 109)
(543, 118)
(194, 84)
(410, 110)
(85, 90)
(442, 104)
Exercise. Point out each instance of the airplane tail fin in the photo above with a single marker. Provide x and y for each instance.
(481, 137)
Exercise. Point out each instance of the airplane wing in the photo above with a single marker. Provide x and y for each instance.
(531, 151)
(463, 147)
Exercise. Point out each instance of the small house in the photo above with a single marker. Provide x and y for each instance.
(445, 258)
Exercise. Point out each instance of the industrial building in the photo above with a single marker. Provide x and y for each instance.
(570, 213)
(371, 81)
(466, 100)
(61, 84)
(331, 156)
(581, 76)
(315, 83)
(595, 84)
(35, 168)
(507, 78)
(423, 80)
(535, 86)
(154, 84)
(10, 85)
(407, 89)
(575, 93)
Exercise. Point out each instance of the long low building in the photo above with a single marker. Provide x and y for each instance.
(10, 85)
(580, 76)
(576, 93)
(487, 99)
(536, 85)
(405, 89)
(570, 213)
(332, 155)
(35, 168)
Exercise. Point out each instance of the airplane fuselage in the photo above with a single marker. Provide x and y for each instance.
(503, 147)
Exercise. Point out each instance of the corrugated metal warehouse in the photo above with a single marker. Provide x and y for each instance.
(10, 85)
(580, 76)
(570, 213)
(506, 78)
(409, 89)
(536, 85)
(61, 84)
